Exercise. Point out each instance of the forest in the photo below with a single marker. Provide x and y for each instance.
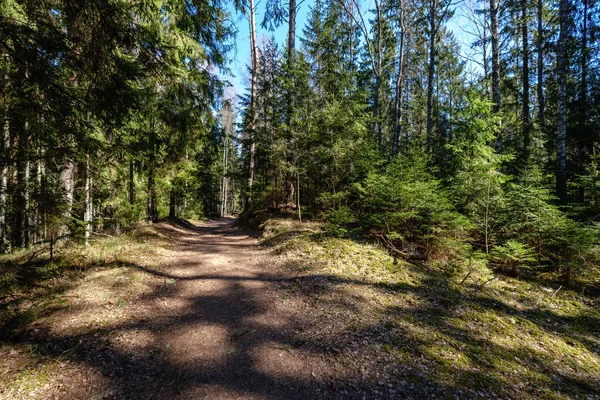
(459, 135)
(116, 112)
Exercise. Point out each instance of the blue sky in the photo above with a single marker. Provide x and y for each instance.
(241, 54)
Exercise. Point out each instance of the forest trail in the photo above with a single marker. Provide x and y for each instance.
(215, 321)
(228, 332)
(205, 311)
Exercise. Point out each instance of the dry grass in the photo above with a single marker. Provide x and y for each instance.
(80, 288)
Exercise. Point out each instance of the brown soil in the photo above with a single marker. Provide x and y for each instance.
(217, 320)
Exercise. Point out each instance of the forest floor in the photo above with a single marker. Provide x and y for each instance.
(176, 310)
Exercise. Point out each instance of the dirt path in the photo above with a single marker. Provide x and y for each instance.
(229, 333)
(217, 323)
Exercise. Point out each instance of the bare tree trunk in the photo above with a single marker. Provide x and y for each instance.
(398, 104)
(41, 209)
(431, 72)
(252, 100)
(87, 203)
(4, 238)
(486, 66)
(131, 183)
(67, 186)
(37, 219)
(379, 56)
(152, 212)
(224, 181)
(540, 65)
(291, 30)
(525, 114)
(152, 209)
(494, 6)
(291, 55)
(21, 199)
(298, 195)
(561, 108)
(584, 63)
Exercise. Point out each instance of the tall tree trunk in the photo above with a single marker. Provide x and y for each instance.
(377, 122)
(87, 203)
(131, 183)
(251, 163)
(561, 108)
(398, 104)
(291, 55)
(525, 113)
(4, 237)
(298, 195)
(494, 6)
(36, 215)
(41, 192)
(152, 208)
(379, 72)
(21, 199)
(224, 180)
(540, 65)
(584, 64)
(67, 186)
(291, 31)
(431, 73)
(486, 67)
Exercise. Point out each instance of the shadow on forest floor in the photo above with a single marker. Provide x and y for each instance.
(201, 311)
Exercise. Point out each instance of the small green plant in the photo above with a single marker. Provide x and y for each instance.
(512, 255)
(339, 219)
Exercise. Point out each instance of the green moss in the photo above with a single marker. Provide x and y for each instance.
(509, 337)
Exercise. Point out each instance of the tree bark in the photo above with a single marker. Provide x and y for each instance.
(431, 71)
(4, 237)
(67, 186)
(87, 204)
(152, 209)
(131, 183)
(291, 55)
(540, 65)
(494, 6)
(398, 104)
(21, 199)
(525, 78)
(377, 95)
(224, 180)
(253, 90)
(584, 64)
(561, 108)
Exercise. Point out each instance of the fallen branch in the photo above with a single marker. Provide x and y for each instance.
(102, 234)
(395, 252)
(554, 294)
(479, 287)
(466, 277)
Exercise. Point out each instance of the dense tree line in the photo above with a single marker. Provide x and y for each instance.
(375, 120)
(377, 123)
(107, 113)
